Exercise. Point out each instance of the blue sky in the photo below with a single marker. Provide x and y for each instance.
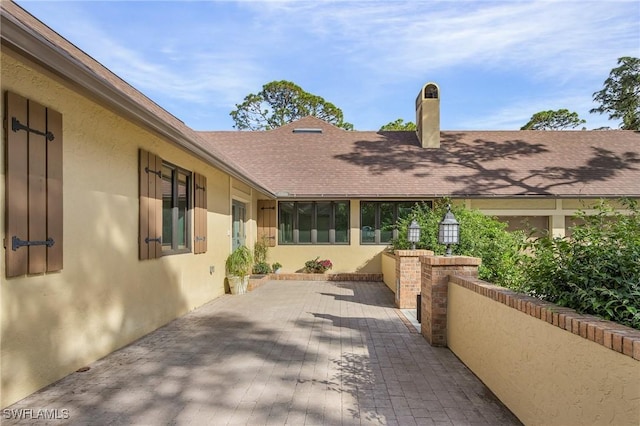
(497, 63)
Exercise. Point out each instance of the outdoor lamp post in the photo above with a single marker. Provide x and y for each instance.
(449, 232)
(413, 234)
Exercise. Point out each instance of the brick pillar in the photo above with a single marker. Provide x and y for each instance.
(408, 276)
(435, 285)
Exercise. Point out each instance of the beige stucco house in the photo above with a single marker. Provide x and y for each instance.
(118, 217)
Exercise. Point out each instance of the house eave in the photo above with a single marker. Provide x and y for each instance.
(28, 43)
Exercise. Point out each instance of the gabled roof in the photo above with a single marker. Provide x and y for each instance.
(340, 163)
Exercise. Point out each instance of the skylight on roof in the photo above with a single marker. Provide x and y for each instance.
(307, 130)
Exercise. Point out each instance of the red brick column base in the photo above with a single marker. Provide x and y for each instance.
(408, 276)
(434, 289)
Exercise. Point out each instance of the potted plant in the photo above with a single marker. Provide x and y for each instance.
(238, 266)
(276, 267)
(317, 266)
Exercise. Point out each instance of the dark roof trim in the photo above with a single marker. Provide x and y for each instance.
(31, 44)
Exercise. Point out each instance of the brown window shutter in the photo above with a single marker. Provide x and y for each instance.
(267, 221)
(54, 191)
(150, 179)
(33, 242)
(200, 213)
(17, 197)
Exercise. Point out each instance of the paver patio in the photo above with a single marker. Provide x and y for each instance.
(290, 352)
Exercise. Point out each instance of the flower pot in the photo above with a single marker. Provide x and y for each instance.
(238, 285)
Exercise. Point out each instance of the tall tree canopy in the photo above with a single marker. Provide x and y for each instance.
(553, 120)
(620, 97)
(399, 124)
(281, 102)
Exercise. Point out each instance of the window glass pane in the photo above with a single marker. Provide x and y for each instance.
(238, 218)
(404, 209)
(285, 229)
(182, 206)
(387, 221)
(167, 207)
(342, 222)
(368, 222)
(305, 222)
(323, 222)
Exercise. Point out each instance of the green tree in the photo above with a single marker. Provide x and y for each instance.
(281, 102)
(620, 97)
(553, 120)
(399, 124)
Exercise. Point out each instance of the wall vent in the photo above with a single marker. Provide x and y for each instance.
(307, 130)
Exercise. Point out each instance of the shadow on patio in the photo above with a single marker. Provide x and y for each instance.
(289, 352)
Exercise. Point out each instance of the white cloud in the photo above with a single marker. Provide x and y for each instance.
(209, 55)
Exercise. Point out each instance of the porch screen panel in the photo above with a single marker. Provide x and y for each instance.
(287, 215)
(305, 222)
(368, 222)
(387, 221)
(323, 222)
(342, 222)
(33, 243)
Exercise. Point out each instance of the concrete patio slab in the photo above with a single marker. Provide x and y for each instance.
(290, 352)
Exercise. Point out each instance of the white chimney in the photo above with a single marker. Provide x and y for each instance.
(428, 116)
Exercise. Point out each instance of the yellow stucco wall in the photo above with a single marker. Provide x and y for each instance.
(104, 297)
(545, 375)
(388, 264)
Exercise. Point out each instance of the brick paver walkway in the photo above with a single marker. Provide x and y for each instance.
(291, 352)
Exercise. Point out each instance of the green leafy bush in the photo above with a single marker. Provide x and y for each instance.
(317, 266)
(480, 236)
(261, 268)
(239, 262)
(594, 271)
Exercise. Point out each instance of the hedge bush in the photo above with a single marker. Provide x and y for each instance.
(594, 271)
(480, 236)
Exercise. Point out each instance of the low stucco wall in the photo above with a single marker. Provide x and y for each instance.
(345, 258)
(545, 375)
(389, 270)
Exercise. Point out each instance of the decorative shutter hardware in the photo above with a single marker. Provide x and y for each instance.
(16, 243)
(155, 172)
(149, 240)
(267, 208)
(201, 239)
(200, 187)
(16, 125)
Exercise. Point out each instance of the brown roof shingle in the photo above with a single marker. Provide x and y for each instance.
(339, 163)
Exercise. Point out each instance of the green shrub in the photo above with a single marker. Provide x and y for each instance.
(480, 236)
(260, 251)
(239, 262)
(595, 271)
(261, 268)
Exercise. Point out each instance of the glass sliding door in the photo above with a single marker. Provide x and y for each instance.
(238, 231)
